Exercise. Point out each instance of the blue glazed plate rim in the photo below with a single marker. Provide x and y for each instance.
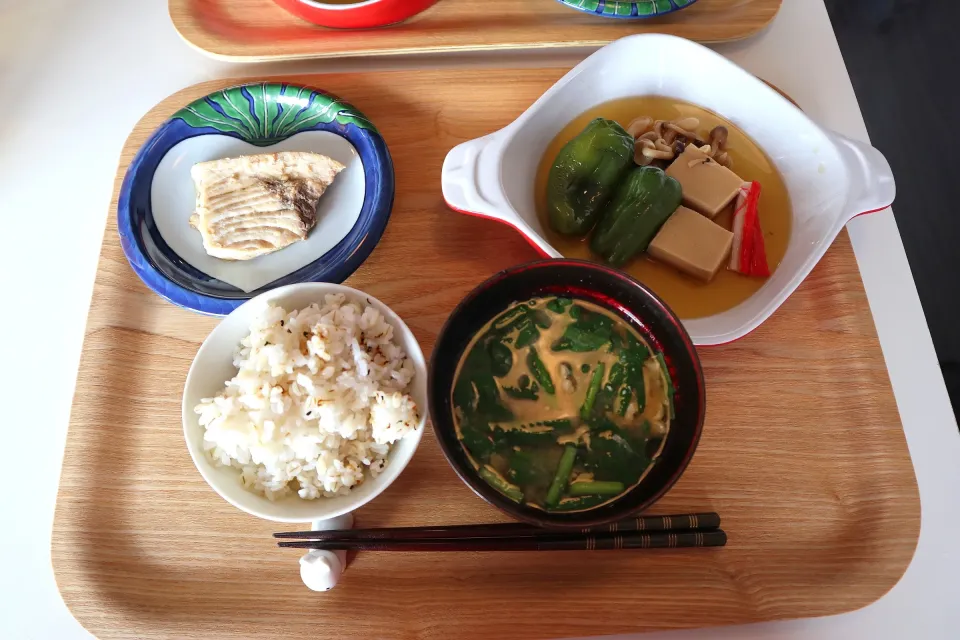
(634, 11)
(170, 277)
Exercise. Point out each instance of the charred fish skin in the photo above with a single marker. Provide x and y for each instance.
(254, 205)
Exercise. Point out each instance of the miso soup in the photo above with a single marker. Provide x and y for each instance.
(561, 404)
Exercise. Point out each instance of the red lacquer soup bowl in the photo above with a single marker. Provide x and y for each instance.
(626, 298)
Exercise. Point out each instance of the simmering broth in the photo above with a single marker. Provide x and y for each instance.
(688, 297)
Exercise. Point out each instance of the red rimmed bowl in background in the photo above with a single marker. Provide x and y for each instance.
(355, 15)
(630, 301)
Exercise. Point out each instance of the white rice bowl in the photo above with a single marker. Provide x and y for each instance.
(321, 402)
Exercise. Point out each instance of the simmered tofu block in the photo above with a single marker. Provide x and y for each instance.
(691, 243)
(708, 186)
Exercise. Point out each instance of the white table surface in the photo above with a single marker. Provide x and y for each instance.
(76, 76)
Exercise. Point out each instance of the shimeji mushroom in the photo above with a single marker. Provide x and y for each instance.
(718, 145)
(661, 139)
(685, 127)
(647, 151)
(639, 126)
(666, 139)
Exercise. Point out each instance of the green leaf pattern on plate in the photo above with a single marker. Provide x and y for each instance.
(623, 8)
(266, 113)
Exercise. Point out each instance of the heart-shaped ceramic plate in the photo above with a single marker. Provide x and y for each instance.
(157, 195)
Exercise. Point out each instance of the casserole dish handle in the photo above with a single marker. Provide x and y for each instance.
(872, 187)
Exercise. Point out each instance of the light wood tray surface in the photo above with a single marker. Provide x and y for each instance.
(261, 30)
(802, 453)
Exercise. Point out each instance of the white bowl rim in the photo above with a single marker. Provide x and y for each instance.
(349, 503)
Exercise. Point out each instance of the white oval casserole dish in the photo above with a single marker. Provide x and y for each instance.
(830, 178)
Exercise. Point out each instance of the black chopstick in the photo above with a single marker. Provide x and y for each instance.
(687, 522)
(553, 542)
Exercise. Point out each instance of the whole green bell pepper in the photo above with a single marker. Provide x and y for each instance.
(585, 174)
(644, 200)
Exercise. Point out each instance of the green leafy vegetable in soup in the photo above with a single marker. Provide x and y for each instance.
(562, 405)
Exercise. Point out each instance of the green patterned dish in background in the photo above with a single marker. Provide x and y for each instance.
(627, 10)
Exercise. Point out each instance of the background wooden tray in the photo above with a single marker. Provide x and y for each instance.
(261, 30)
(802, 454)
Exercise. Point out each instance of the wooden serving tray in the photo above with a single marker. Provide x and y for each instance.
(802, 454)
(260, 30)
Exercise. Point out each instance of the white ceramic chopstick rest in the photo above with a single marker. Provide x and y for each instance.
(320, 570)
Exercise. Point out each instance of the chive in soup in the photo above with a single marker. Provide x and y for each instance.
(561, 404)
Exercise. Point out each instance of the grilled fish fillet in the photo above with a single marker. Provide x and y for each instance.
(254, 205)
